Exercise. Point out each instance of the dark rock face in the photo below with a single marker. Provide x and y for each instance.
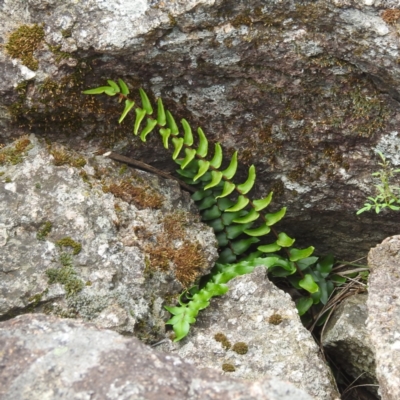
(305, 90)
(44, 357)
(347, 341)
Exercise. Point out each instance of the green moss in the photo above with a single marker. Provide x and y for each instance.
(172, 19)
(78, 162)
(44, 230)
(239, 20)
(68, 242)
(226, 367)
(84, 176)
(220, 337)
(123, 169)
(14, 154)
(66, 275)
(8, 180)
(240, 348)
(66, 33)
(275, 319)
(23, 42)
(35, 300)
(60, 55)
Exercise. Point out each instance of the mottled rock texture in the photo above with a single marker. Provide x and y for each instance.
(90, 238)
(347, 341)
(383, 321)
(255, 330)
(45, 358)
(305, 90)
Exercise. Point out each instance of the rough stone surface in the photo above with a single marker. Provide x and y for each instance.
(383, 321)
(136, 242)
(256, 313)
(347, 341)
(305, 90)
(45, 358)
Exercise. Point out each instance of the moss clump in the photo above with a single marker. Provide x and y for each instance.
(62, 156)
(226, 367)
(241, 20)
(220, 337)
(66, 33)
(23, 42)
(391, 16)
(275, 319)
(68, 242)
(13, 154)
(240, 348)
(60, 55)
(141, 196)
(175, 223)
(172, 19)
(44, 230)
(36, 299)
(123, 169)
(158, 257)
(189, 262)
(66, 275)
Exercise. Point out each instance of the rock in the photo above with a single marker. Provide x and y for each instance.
(45, 357)
(85, 237)
(346, 340)
(383, 322)
(305, 90)
(254, 331)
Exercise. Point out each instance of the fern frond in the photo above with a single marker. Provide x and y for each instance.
(238, 221)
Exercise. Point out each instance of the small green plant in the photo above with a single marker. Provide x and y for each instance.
(239, 222)
(44, 230)
(66, 275)
(388, 195)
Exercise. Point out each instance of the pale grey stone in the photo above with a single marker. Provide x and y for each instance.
(383, 322)
(285, 350)
(121, 290)
(46, 358)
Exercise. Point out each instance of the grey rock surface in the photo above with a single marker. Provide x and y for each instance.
(347, 341)
(89, 238)
(305, 90)
(43, 357)
(383, 322)
(260, 318)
